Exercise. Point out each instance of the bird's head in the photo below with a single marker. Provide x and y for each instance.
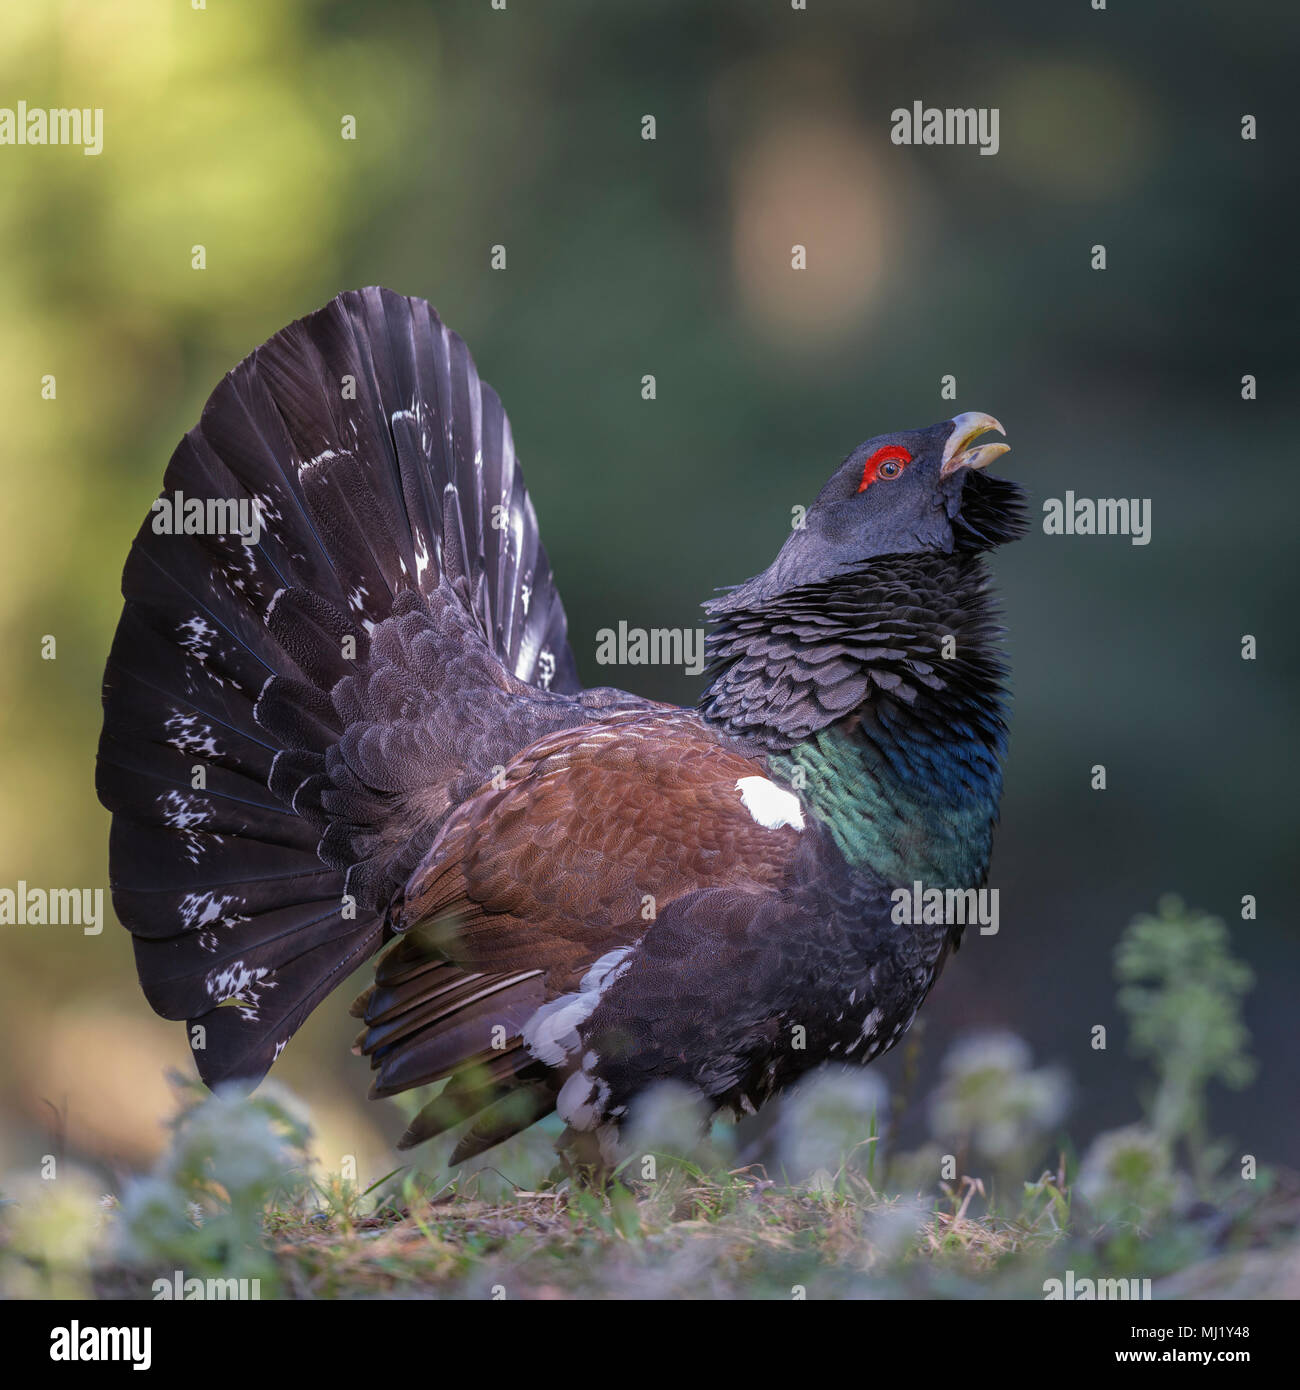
(916, 491)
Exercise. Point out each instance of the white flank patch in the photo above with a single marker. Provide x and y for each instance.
(552, 1032)
(771, 806)
(582, 1100)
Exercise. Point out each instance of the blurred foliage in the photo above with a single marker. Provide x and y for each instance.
(1182, 993)
(1127, 1175)
(234, 1196)
(202, 1208)
(830, 1126)
(991, 1098)
(52, 1229)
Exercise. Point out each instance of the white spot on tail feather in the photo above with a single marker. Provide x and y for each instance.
(185, 814)
(196, 636)
(242, 983)
(207, 912)
(233, 981)
(190, 734)
(198, 909)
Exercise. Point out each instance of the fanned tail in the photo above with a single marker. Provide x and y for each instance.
(289, 713)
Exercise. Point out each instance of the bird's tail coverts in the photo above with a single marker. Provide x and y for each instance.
(275, 732)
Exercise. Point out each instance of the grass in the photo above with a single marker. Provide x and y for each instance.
(836, 1213)
(737, 1235)
(691, 1233)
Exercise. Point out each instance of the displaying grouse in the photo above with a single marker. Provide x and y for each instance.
(360, 721)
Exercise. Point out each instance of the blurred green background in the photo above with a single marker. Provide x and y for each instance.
(626, 257)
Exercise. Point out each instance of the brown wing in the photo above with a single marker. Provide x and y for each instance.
(566, 855)
(585, 836)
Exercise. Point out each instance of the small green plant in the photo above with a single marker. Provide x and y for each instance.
(202, 1209)
(993, 1105)
(828, 1127)
(1182, 988)
(1127, 1175)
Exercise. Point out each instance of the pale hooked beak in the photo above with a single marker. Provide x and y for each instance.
(966, 428)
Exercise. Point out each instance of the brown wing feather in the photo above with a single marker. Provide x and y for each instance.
(532, 879)
(555, 863)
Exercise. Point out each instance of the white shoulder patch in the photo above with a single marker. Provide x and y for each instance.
(771, 806)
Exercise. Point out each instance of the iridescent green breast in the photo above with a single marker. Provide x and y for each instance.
(908, 807)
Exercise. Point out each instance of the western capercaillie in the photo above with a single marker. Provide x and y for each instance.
(360, 721)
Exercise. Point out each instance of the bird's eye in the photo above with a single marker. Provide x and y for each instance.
(887, 462)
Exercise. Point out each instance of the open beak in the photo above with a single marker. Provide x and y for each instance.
(965, 430)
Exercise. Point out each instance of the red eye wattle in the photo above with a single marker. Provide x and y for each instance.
(887, 462)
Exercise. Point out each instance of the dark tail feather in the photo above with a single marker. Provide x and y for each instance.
(235, 697)
(427, 1020)
(471, 1018)
(502, 1097)
(511, 1113)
